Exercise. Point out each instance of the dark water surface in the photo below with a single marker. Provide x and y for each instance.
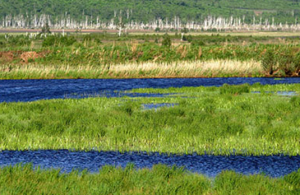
(30, 90)
(274, 166)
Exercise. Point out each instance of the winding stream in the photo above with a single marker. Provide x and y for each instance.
(209, 165)
(31, 90)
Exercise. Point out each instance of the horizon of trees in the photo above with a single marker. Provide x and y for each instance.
(150, 10)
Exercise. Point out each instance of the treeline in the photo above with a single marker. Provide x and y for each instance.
(149, 10)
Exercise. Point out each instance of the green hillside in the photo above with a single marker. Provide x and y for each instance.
(148, 10)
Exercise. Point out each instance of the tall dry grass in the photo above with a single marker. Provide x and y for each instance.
(212, 68)
(190, 69)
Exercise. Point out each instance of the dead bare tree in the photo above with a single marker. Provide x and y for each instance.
(121, 26)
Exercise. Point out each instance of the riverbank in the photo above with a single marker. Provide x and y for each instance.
(146, 56)
(185, 69)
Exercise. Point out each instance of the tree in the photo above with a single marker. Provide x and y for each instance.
(46, 29)
(183, 31)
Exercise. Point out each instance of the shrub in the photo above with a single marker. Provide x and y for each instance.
(58, 41)
(297, 62)
(18, 40)
(90, 38)
(197, 43)
(268, 62)
(166, 41)
(46, 29)
(184, 38)
(49, 41)
(189, 38)
(67, 40)
(286, 63)
(2, 44)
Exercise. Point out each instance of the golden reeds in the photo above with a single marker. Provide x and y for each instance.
(191, 69)
(212, 68)
(199, 52)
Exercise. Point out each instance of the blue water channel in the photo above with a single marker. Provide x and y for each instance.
(209, 165)
(31, 90)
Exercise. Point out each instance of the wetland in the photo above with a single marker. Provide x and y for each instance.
(200, 114)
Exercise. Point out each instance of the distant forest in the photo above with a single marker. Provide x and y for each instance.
(146, 11)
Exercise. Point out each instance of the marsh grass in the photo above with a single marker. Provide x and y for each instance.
(235, 89)
(208, 122)
(160, 179)
(109, 180)
(212, 68)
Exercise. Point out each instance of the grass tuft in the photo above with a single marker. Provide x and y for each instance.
(235, 89)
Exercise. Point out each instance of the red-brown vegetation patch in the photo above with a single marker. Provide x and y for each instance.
(30, 55)
(6, 56)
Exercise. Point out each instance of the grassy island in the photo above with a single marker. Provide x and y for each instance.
(216, 120)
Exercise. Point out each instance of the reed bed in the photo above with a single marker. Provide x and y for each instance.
(211, 68)
(192, 69)
(160, 179)
(211, 120)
